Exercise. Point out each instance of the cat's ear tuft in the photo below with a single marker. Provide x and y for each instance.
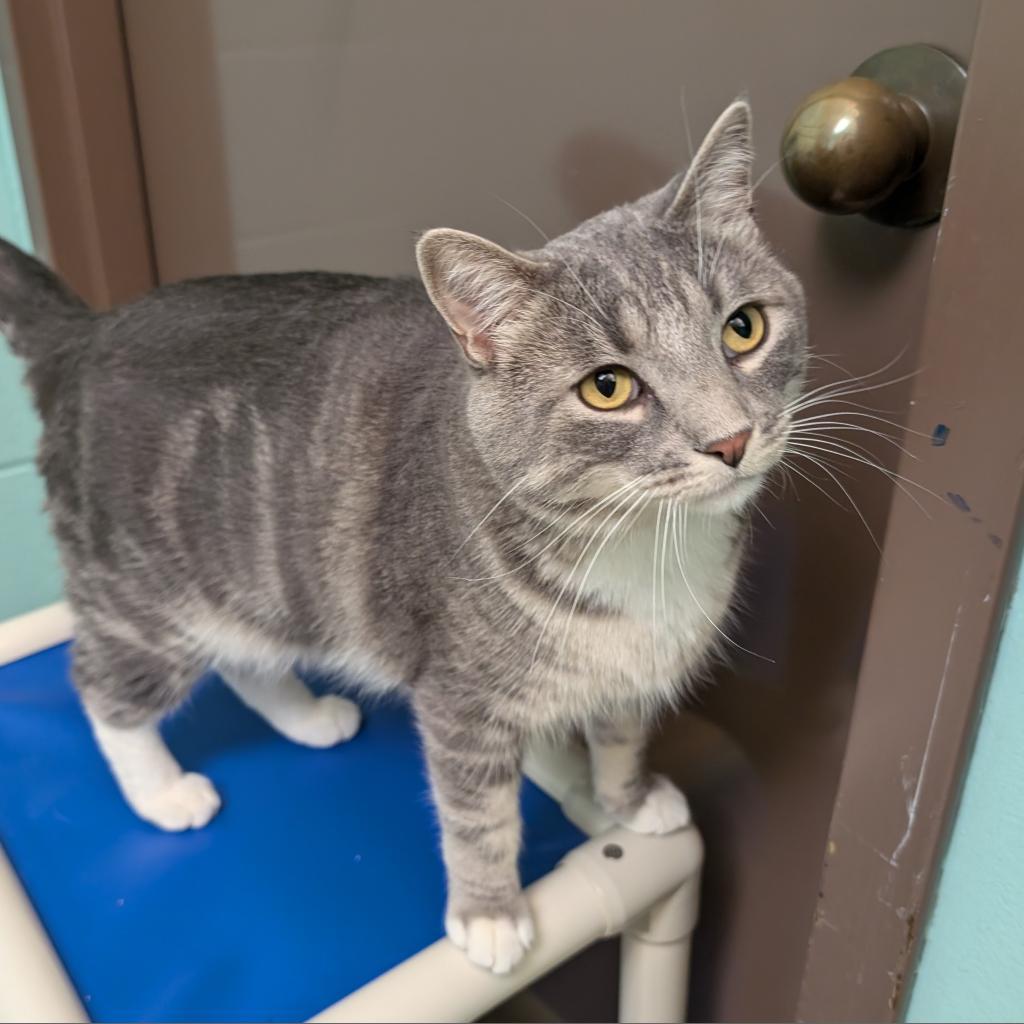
(477, 286)
(717, 186)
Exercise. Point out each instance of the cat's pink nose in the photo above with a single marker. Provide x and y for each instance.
(730, 449)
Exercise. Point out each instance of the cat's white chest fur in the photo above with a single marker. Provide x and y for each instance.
(667, 592)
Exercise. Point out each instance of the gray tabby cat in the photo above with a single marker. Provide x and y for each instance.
(534, 530)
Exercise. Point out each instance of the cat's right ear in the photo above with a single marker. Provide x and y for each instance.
(476, 286)
(717, 184)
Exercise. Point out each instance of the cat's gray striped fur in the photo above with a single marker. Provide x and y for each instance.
(256, 472)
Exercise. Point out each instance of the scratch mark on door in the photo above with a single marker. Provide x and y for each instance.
(912, 802)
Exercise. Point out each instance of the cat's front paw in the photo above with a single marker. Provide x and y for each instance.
(497, 938)
(189, 801)
(664, 809)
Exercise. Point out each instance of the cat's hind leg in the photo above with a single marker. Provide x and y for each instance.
(292, 709)
(125, 689)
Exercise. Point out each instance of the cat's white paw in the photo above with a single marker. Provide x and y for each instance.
(190, 801)
(324, 722)
(663, 810)
(496, 942)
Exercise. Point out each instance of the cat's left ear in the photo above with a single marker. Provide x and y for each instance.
(477, 287)
(717, 185)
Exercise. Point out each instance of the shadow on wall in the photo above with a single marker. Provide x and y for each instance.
(866, 251)
(626, 172)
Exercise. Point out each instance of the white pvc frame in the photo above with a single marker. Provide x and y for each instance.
(644, 887)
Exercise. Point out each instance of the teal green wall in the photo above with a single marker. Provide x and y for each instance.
(972, 965)
(29, 572)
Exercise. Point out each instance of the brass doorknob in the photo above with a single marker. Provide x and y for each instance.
(851, 144)
(879, 142)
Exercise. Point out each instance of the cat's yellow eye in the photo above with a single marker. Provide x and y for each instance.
(610, 387)
(743, 331)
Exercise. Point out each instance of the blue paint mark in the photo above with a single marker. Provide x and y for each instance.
(939, 435)
(958, 501)
(996, 540)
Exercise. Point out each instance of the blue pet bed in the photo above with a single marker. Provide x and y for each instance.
(321, 871)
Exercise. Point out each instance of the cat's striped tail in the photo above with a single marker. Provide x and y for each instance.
(35, 305)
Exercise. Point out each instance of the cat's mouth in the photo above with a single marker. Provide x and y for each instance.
(718, 489)
(733, 495)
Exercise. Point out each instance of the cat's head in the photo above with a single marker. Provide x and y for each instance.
(659, 342)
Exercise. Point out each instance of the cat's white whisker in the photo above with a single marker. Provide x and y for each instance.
(818, 357)
(856, 508)
(845, 392)
(579, 561)
(814, 483)
(808, 436)
(826, 446)
(761, 177)
(696, 186)
(840, 396)
(664, 554)
(851, 380)
(654, 588)
(787, 479)
(571, 305)
(861, 405)
(824, 428)
(522, 213)
(494, 508)
(760, 511)
(593, 561)
(537, 227)
(693, 597)
(540, 231)
(855, 450)
(871, 414)
(579, 521)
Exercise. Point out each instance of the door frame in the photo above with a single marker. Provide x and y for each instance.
(944, 584)
(78, 132)
(935, 621)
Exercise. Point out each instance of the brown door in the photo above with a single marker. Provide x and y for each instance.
(322, 134)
